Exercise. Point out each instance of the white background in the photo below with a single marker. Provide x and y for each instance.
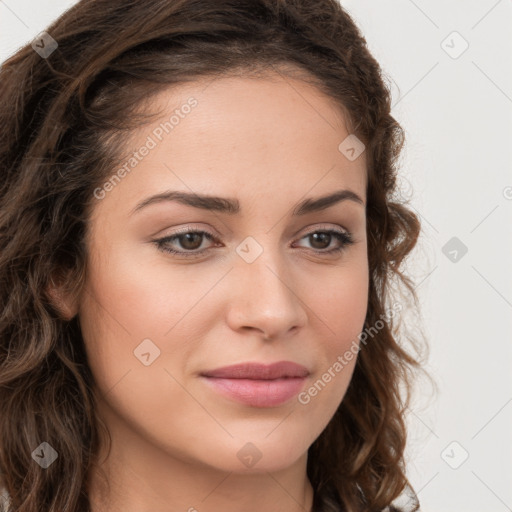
(456, 167)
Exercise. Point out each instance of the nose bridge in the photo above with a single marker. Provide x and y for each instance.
(262, 261)
(267, 274)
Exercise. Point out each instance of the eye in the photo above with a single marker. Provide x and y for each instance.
(321, 240)
(191, 240)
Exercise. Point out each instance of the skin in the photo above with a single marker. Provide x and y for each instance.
(270, 143)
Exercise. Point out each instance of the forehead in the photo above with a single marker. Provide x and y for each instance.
(241, 136)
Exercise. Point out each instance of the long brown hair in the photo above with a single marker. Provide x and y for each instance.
(64, 117)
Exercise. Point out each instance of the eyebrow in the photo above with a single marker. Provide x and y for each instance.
(231, 206)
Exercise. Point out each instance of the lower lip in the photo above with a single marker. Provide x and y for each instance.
(258, 393)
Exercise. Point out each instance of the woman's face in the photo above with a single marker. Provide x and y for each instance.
(263, 281)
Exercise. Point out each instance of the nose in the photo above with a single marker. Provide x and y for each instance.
(264, 297)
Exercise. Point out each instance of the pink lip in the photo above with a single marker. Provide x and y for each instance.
(257, 384)
(259, 371)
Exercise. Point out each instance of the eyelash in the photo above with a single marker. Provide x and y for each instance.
(344, 237)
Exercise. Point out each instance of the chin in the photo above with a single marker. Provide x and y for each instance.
(260, 455)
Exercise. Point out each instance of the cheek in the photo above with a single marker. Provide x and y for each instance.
(118, 311)
(342, 303)
(341, 308)
(139, 296)
(127, 303)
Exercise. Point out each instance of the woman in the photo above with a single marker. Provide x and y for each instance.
(255, 369)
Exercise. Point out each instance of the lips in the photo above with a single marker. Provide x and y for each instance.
(256, 384)
(258, 371)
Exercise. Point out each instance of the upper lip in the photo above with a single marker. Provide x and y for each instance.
(259, 371)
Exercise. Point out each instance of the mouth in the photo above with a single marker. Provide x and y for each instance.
(259, 371)
(256, 384)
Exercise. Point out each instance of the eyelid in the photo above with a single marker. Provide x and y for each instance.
(312, 228)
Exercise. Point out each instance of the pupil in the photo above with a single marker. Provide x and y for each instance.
(324, 236)
(188, 236)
